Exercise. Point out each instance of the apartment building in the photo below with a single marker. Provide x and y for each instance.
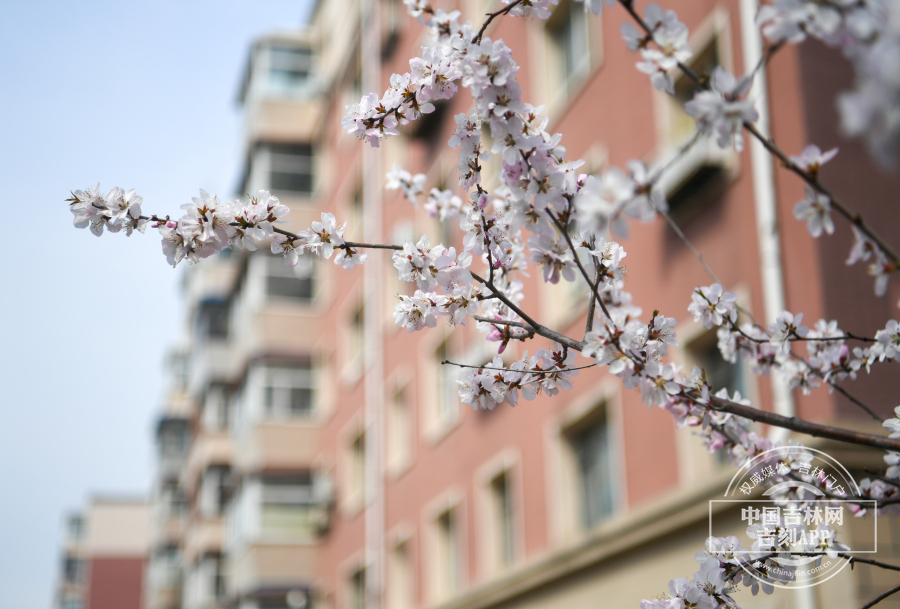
(104, 554)
(589, 496)
(320, 455)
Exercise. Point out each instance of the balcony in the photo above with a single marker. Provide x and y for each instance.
(169, 529)
(207, 449)
(203, 536)
(279, 91)
(269, 564)
(281, 445)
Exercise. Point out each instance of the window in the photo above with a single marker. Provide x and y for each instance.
(177, 366)
(212, 320)
(168, 566)
(696, 178)
(218, 576)
(290, 168)
(172, 501)
(214, 490)
(290, 69)
(173, 437)
(75, 527)
(357, 590)
(357, 473)
(283, 281)
(216, 407)
(502, 515)
(448, 388)
(569, 54)
(399, 432)
(72, 602)
(295, 599)
(73, 570)
(704, 353)
(590, 444)
(681, 125)
(400, 591)
(448, 555)
(288, 392)
(289, 509)
(357, 218)
(356, 343)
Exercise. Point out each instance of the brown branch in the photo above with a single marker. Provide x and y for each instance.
(853, 400)
(539, 329)
(868, 561)
(491, 17)
(503, 322)
(881, 597)
(528, 371)
(810, 178)
(814, 182)
(805, 427)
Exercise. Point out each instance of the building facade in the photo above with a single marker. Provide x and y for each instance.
(104, 555)
(314, 454)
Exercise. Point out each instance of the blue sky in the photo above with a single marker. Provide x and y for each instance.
(135, 94)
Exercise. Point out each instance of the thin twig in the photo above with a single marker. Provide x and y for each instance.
(688, 243)
(539, 329)
(808, 177)
(552, 371)
(844, 393)
(881, 597)
(491, 17)
(503, 322)
(868, 561)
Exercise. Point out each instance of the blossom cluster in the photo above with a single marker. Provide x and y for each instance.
(829, 358)
(670, 38)
(548, 371)
(529, 218)
(114, 211)
(210, 225)
(868, 33)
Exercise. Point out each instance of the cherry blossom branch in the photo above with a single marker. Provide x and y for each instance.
(595, 293)
(867, 561)
(529, 331)
(808, 176)
(492, 16)
(884, 479)
(589, 324)
(852, 399)
(539, 329)
(815, 430)
(344, 245)
(550, 371)
(881, 597)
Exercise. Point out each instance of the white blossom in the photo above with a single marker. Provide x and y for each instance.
(815, 210)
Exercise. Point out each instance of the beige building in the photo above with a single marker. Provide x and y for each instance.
(104, 555)
(314, 454)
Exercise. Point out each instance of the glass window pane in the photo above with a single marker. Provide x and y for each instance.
(592, 451)
(301, 402)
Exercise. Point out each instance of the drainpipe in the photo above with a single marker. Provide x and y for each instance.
(767, 226)
(373, 360)
(765, 203)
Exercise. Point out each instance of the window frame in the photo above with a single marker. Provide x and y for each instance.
(286, 379)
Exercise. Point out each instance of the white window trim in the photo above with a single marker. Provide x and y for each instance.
(715, 27)
(507, 462)
(454, 499)
(564, 522)
(695, 463)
